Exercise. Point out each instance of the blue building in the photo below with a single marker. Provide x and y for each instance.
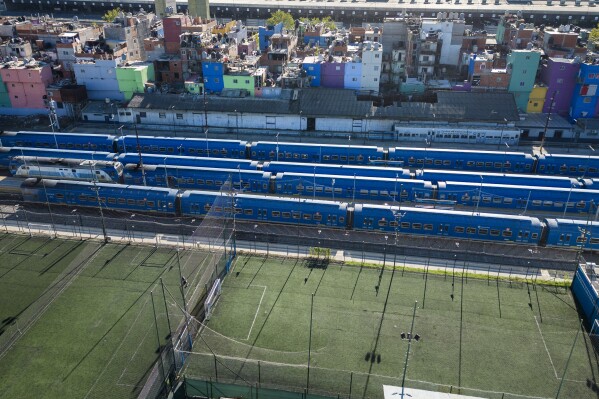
(213, 76)
(312, 67)
(265, 32)
(585, 97)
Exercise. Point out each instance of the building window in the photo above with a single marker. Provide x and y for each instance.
(176, 75)
(562, 68)
(376, 79)
(354, 79)
(179, 116)
(591, 76)
(65, 53)
(162, 115)
(560, 81)
(235, 81)
(528, 57)
(376, 67)
(311, 68)
(142, 114)
(498, 80)
(377, 56)
(521, 83)
(337, 68)
(587, 100)
(247, 81)
(216, 80)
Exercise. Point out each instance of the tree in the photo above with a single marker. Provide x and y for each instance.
(327, 22)
(281, 16)
(594, 35)
(111, 15)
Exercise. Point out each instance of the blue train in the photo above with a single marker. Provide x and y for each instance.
(335, 214)
(380, 189)
(406, 157)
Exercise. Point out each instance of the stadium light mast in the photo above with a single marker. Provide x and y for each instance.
(97, 190)
(405, 367)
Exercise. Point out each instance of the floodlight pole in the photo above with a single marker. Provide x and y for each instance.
(96, 189)
(568, 361)
(158, 337)
(405, 367)
(310, 343)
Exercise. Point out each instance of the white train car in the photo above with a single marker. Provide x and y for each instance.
(458, 134)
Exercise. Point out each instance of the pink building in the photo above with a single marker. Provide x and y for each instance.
(26, 83)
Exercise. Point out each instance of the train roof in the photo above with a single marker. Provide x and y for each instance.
(555, 222)
(282, 199)
(130, 166)
(23, 132)
(513, 186)
(577, 157)
(464, 151)
(402, 209)
(64, 161)
(34, 182)
(349, 145)
(357, 177)
(183, 139)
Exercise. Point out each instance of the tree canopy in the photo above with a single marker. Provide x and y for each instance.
(594, 35)
(281, 16)
(326, 21)
(111, 15)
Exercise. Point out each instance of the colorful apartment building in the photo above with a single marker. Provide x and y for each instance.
(132, 78)
(522, 66)
(26, 83)
(99, 76)
(585, 98)
(559, 76)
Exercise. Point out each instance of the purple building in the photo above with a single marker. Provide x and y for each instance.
(559, 75)
(332, 74)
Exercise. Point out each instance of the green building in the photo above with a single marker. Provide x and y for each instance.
(522, 65)
(132, 78)
(247, 80)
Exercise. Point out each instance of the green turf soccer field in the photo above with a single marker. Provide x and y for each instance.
(83, 316)
(494, 339)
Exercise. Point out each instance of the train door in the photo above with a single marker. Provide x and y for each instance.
(443, 229)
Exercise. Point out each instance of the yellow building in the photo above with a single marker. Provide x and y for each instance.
(536, 99)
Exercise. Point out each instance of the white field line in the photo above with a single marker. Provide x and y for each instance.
(257, 309)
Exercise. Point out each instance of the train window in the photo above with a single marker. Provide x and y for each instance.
(374, 193)
(275, 214)
(309, 189)
(428, 227)
(338, 191)
(592, 170)
(352, 158)
(228, 209)
(547, 203)
(438, 162)
(335, 157)
(568, 237)
(218, 182)
(382, 223)
(325, 157)
(248, 212)
(82, 197)
(486, 199)
(497, 200)
(430, 162)
(223, 152)
(304, 156)
(581, 239)
(286, 215)
(253, 154)
(151, 204)
(307, 216)
(488, 164)
(507, 233)
(580, 204)
(288, 155)
(572, 168)
(111, 200)
(102, 199)
(190, 181)
(508, 200)
(299, 188)
(296, 156)
(360, 158)
(405, 225)
(78, 146)
(200, 182)
(446, 162)
(141, 202)
(328, 190)
(200, 152)
(238, 211)
(341, 219)
(318, 217)
(146, 148)
(319, 189)
(295, 215)
(162, 149)
(534, 235)
(470, 230)
(494, 233)
(209, 182)
(497, 165)
(170, 149)
(343, 158)
(207, 208)
(121, 201)
(393, 223)
(470, 164)
(537, 202)
(363, 192)
(483, 231)
(215, 151)
(130, 202)
(416, 226)
(59, 196)
(384, 193)
(459, 229)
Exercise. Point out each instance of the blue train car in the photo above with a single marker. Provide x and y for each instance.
(547, 199)
(317, 153)
(269, 209)
(154, 159)
(183, 146)
(7, 153)
(67, 141)
(436, 222)
(358, 187)
(572, 233)
(568, 165)
(185, 177)
(437, 176)
(66, 169)
(111, 196)
(342, 170)
(470, 160)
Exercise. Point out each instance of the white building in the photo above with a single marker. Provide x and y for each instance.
(99, 77)
(372, 58)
